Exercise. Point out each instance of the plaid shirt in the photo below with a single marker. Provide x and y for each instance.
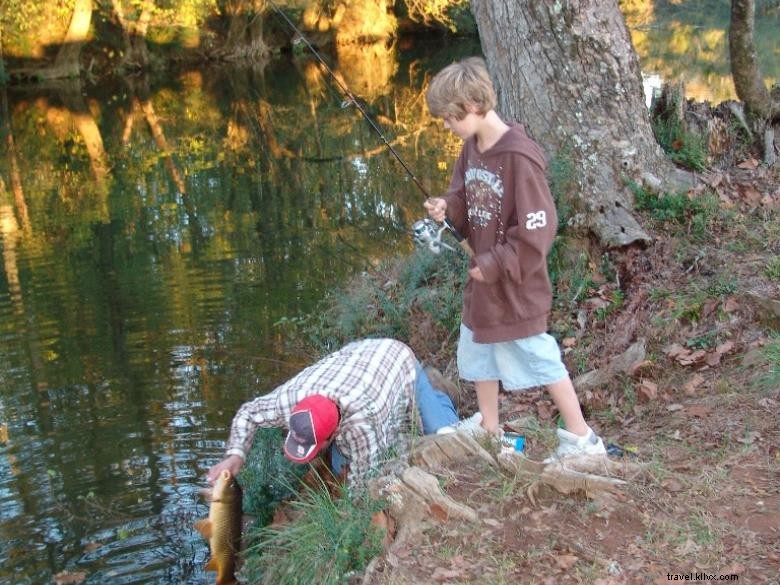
(373, 384)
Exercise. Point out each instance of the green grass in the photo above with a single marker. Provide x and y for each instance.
(723, 287)
(688, 305)
(772, 352)
(571, 279)
(705, 341)
(772, 269)
(617, 298)
(329, 540)
(629, 394)
(697, 214)
(687, 149)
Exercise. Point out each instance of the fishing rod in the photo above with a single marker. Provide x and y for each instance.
(424, 231)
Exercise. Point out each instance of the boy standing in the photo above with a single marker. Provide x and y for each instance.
(498, 197)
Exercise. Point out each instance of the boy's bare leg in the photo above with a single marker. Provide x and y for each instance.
(565, 398)
(487, 400)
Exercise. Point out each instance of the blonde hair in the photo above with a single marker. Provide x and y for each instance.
(459, 85)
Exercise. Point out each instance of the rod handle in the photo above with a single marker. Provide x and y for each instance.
(462, 242)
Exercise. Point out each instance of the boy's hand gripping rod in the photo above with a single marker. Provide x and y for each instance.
(462, 242)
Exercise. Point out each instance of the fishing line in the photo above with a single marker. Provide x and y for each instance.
(354, 101)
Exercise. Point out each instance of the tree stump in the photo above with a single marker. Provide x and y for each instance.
(416, 497)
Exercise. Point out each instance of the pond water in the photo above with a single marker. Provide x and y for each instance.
(153, 235)
(687, 40)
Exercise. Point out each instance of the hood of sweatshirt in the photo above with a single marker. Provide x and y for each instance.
(513, 140)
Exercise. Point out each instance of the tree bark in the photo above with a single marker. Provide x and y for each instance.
(136, 52)
(71, 95)
(245, 38)
(2, 60)
(748, 81)
(14, 171)
(567, 70)
(67, 62)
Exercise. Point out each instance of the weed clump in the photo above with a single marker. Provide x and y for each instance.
(329, 539)
(698, 214)
(687, 149)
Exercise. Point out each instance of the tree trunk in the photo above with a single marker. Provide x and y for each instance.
(86, 126)
(136, 52)
(245, 38)
(567, 70)
(14, 172)
(748, 81)
(2, 61)
(67, 62)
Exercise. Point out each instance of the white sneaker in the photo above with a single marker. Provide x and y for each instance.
(571, 445)
(471, 425)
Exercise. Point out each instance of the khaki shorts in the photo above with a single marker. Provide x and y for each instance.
(519, 364)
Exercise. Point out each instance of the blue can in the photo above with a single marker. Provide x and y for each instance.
(515, 441)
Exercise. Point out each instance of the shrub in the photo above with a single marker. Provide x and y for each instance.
(385, 302)
(268, 477)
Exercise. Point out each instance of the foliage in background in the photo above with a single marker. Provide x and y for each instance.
(30, 28)
(28, 25)
(329, 539)
(385, 302)
(454, 15)
(688, 40)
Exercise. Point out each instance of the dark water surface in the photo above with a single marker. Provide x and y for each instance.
(153, 233)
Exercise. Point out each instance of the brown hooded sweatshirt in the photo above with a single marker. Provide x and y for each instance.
(499, 200)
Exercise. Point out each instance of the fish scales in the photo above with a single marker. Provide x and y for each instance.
(222, 528)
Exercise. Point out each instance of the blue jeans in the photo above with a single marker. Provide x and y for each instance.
(435, 407)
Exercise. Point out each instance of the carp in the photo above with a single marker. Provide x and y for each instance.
(222, 528)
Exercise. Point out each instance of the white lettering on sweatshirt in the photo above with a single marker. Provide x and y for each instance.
(484, 190)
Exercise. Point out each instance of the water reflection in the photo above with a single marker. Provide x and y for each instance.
(688, 41)
(153, 233)
(152, 236)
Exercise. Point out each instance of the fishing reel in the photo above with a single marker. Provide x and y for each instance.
(427, 234)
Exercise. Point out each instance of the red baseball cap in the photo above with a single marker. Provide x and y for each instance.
(312, 423)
